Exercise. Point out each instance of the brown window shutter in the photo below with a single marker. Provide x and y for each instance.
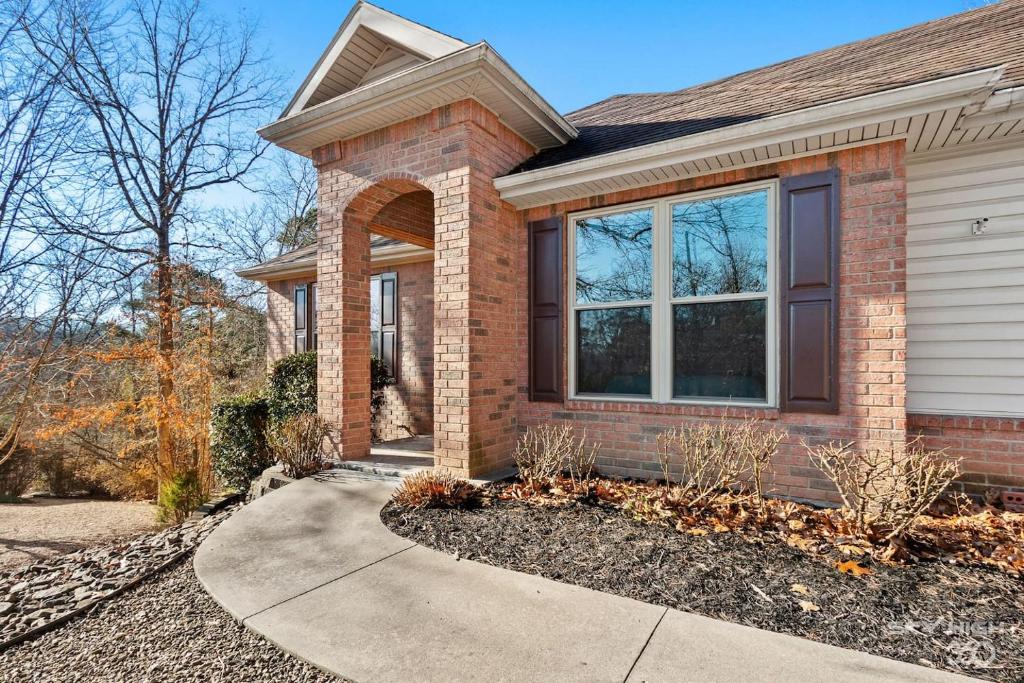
(545, 276)
(810, 292)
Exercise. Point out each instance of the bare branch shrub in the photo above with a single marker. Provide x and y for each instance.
(885, 489)
(705, 457)
(297, 443)
(544, 452)
(757, 447)
(436, 489)
(709, 457)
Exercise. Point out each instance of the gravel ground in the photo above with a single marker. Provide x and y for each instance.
(167, 629)
(47, 527)
(947, 616)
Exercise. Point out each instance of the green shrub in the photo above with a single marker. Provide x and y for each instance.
(180, 497)
(380, 379)
(238, 443)
(293, 386)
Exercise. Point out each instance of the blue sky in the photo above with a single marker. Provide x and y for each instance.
(575, 52)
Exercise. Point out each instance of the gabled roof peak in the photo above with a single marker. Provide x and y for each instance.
(371, 44)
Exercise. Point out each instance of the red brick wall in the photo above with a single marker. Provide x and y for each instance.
(281, 317)
(991, 448)
(872, 328)
(408, 408)
(412, 213)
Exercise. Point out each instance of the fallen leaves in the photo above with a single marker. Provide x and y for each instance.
(808, 606)
(800, 589)
(853, 567)
(970, 535)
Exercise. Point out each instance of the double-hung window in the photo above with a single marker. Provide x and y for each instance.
(673, 300)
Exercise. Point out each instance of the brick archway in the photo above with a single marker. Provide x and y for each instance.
(395, 207)
(379, 182)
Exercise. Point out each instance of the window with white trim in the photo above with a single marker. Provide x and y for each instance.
(674, 300)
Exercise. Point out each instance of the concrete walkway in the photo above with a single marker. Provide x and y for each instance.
(313, 569)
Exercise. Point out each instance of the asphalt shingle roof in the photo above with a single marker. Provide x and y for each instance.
(978, 39)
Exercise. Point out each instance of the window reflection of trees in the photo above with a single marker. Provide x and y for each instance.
(719, 350)
(614, 351)
(720, 245)
(614, 257)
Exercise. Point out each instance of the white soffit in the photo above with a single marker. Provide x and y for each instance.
(928, 115)
(371, 44)
(474, 72)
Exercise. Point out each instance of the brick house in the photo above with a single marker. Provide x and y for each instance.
(834, 244)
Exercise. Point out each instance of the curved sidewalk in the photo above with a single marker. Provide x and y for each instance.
(313, 569)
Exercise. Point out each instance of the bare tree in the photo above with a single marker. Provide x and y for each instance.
(37, 128)
(172, 97)
(281, 217)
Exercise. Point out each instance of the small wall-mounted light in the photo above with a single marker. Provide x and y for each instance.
(978, 226)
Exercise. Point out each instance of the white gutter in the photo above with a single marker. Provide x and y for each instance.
(1002, 106)
(939, 94)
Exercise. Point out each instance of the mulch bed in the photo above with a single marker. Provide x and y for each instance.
(967, 619)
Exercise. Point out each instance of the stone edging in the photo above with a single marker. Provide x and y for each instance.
(216, 505)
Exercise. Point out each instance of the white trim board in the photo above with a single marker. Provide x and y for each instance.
(919, 113)
(401, 32)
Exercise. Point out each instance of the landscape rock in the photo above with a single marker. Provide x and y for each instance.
(183, 636)
(41, 592)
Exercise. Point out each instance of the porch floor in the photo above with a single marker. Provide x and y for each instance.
(398, 458)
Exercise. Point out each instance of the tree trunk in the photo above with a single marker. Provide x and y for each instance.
(165, 352)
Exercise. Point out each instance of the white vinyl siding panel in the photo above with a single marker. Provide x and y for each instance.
(965, 299)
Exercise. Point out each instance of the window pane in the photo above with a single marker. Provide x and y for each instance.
(313, 313)
(720, 245)
(375, 343)
(613, 351)
(374, 304)
(300, 307)
(613, 257)
(719, 350)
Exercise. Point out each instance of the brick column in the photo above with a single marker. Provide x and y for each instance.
(343, 325)
(451, 322)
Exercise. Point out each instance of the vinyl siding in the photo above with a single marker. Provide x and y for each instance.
(965, 303)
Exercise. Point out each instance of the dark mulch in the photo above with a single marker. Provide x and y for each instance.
(948, 616)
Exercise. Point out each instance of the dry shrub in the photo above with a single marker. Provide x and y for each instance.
(436, 489)
(65, 474)
(885, 489)
(710, 457)
(16, 475)
(545, 452)
(298, 444)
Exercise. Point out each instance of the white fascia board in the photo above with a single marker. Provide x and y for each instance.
(391, 254)
(475, 59)
(273, 273)
(409, 35)
(939, 94)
